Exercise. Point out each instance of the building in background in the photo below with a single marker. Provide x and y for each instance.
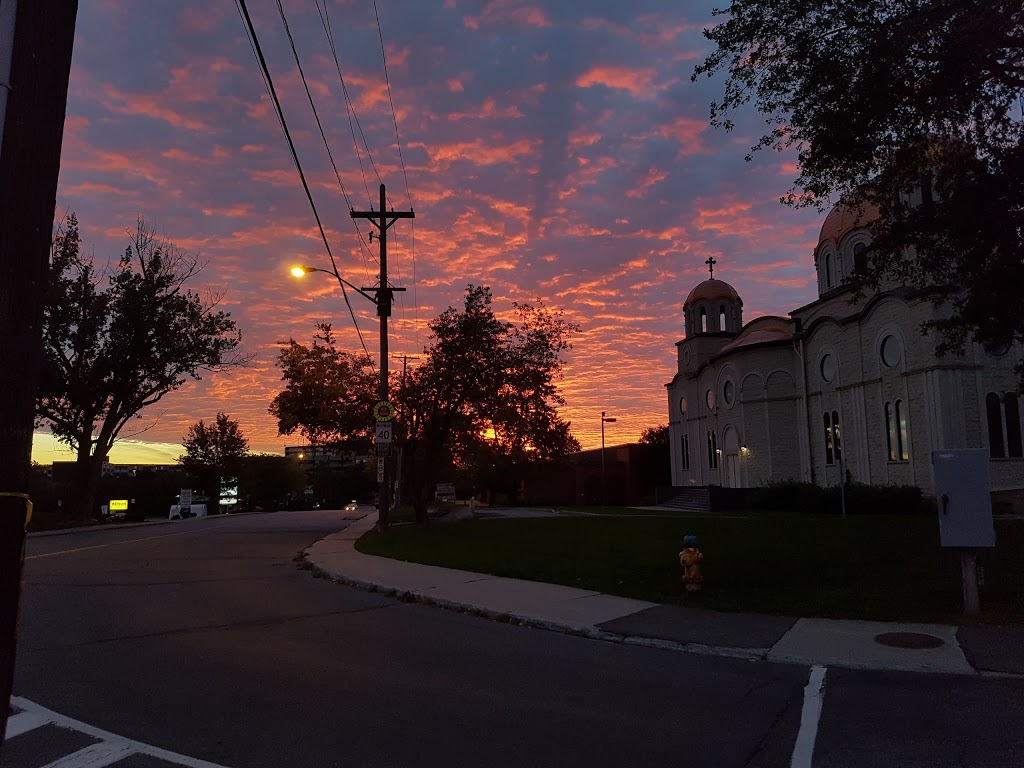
(834, 389)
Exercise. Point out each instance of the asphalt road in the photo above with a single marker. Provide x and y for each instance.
(206, 638)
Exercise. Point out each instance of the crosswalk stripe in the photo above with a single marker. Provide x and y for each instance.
(110, 741)
(94, 756)
(22, 722)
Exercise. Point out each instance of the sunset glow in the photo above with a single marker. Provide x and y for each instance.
(554, 151)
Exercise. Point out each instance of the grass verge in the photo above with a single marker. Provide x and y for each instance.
(871, 567)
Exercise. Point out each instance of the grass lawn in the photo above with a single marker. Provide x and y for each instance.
(870, 567)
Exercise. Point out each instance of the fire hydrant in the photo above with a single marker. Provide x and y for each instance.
(691, 558)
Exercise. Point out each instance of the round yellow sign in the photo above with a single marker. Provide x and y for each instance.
(383, 411)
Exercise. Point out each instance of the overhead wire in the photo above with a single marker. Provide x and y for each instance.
(401, 157)
(255, 44)
(350, 110)
(325, 20)
(316, 116)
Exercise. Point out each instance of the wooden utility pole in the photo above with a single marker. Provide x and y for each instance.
(383, 220)
(33, 130)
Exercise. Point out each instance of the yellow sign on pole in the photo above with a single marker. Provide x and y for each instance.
(383, 411)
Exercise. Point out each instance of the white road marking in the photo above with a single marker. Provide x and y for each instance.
(126, 541)
(111, 743)
(23, 721)
(94, 756)
(814, 695)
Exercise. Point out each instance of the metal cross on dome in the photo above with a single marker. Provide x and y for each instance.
(711, 265)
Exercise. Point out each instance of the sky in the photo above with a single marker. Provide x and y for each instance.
(554, 151)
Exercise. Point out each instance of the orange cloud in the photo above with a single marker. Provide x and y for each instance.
(639, 81)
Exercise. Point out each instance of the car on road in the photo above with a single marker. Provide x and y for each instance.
(351, 506)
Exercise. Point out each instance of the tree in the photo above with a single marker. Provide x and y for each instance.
(486, 399)
(213, 452)
(909, 108)
(655, 435)
(115, 344)
(329, 394)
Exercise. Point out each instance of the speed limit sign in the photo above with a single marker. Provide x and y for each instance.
(384, 432)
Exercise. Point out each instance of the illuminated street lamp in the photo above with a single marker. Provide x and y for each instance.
(604, 486)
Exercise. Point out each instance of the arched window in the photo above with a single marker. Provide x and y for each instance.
(860, 259)
(828, 271)
(996, 447)
(1013, 441)
(703, 320)
(829, 457)
(721, 318)
(686, 452)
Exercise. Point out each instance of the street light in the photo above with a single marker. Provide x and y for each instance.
(604, 485)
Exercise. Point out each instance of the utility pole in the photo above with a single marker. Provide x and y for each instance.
(43, 34)
(383, 220)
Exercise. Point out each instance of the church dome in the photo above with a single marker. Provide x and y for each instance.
(844, 218)
(712, 290)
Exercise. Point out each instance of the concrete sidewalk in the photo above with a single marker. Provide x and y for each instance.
(852, 644)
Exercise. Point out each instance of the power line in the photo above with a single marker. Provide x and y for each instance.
(325, 21)
(255, 43)
(398, 142)
(316, 116)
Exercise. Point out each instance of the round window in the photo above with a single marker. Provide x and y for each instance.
(686, 355)
(728, 392)
(710, 399)
(892, 351)
(682, 405)
(828, 368)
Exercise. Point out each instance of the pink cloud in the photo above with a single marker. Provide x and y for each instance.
(639, 81)
(503, 11)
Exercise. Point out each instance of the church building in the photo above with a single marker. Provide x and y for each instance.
(835, 387)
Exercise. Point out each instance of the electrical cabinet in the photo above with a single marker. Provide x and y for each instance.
(964, 498)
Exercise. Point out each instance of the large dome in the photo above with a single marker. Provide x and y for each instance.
(712, 290)
(844, 218)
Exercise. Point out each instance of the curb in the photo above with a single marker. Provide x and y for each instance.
(590, 633)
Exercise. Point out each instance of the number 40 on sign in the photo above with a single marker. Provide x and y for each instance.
(384, 432)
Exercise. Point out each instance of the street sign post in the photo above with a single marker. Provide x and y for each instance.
(384, 432)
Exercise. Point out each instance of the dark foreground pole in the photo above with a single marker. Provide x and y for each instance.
(33, 130)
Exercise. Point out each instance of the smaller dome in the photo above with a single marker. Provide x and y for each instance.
(712, 290)
(844, 218)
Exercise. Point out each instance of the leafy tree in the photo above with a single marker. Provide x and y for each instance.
(910, 108)
(484, 402)
(115, 344)
(329, 394)
(486, 399)
(214, 451)
(655, 435)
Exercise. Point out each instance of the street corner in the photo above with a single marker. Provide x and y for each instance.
(931, 648)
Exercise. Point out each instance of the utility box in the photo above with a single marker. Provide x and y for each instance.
(964, 498)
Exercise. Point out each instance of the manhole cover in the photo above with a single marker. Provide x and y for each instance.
(914, 640)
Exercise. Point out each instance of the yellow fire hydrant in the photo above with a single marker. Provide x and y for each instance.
(691, 558)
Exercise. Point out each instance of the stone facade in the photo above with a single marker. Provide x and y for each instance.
(835, 387)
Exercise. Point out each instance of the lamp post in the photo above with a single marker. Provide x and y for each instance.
(604, 485)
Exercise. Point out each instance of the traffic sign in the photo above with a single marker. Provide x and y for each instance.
(383, 411)
(383, 449)
(384, 432)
